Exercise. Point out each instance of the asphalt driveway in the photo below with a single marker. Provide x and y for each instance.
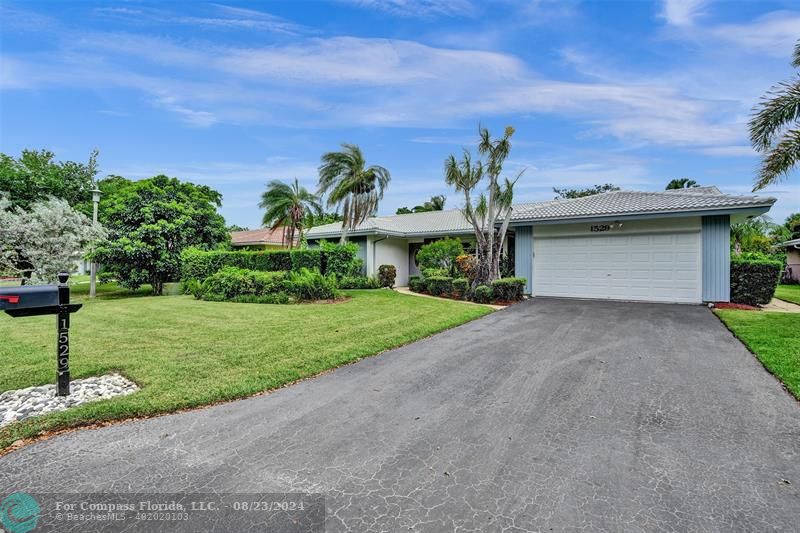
(553, 414)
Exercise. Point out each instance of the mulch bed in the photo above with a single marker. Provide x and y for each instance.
(730, 305)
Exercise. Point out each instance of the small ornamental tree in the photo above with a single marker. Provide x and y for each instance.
(489, 213)
(151, 222)
(48, 237)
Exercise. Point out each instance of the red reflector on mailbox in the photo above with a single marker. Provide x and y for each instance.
(9, 298)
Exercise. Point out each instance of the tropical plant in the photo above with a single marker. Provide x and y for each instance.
(286, 206)
(151, 222)
(352, 185)
(38, 242)
(490, 207)
(436, 203)
(775, 129)
(681, 183)
(758, 234)
(586, 191)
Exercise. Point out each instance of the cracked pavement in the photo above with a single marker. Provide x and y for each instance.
(553, 414)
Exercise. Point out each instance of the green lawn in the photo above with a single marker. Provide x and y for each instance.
(788, 293)
(774, 338)
(184, 352)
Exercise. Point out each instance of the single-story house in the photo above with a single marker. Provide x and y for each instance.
(261, 239)
(670, 246)
(792, 259)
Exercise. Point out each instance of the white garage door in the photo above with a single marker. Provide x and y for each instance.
(654, 267)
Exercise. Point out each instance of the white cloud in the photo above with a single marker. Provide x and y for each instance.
(774, 33)
(316, 82)
(682, 13)
(731, 151)
(419, 8)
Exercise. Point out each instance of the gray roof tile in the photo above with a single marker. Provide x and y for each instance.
(619, 203)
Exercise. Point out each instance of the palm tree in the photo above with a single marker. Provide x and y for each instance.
(352, 185)
(682, 183)
(287, 205)
(775, 130)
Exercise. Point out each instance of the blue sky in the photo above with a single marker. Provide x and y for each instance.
(233, 94)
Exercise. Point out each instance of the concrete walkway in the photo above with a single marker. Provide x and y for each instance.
(550, 415)
(406, 290)
(781, 306)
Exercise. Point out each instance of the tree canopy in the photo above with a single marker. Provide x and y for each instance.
(286, 205)
(681, 183)
(436, 203)
(485, 210)
(150, 222)
(566, 193)
(43, 239)
(352, 185)
(36, 175)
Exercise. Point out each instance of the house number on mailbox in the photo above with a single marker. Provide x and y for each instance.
(600, 227)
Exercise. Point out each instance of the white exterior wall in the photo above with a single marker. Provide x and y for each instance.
(391, 251)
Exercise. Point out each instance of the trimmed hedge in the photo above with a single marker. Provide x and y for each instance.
(417, 284)
(309, 285)
(387, 275)
(753, 281)
(482, 294)
(340, 260)
(309, 258)
(439, 285)
(461, 288)
(508, 289)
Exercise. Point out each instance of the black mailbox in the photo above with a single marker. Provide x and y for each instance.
(29, 300)
(33, 300)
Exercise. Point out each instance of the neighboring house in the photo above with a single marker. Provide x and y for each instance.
(261, 239)
(670, 246)
(792, 259)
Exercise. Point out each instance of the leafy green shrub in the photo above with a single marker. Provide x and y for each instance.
(753, 280)
(277, 261)
(309, 258)
(508, 289)
(461, 288)
(482, 294)
(308, 285)
(386, 275)
(417, 284)
(340, 259)
(435, 272)
(439, 285)
(233, 282)
(358, 282)
(441, 254)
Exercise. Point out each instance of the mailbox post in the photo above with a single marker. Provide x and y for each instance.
(34, 300)
(62, 349)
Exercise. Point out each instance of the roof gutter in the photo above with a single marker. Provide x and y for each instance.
(639, 215)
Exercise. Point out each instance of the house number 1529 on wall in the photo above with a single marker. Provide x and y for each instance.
(600, 227)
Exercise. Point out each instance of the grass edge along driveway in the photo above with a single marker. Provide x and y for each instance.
(773, 337)
(186, 353)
